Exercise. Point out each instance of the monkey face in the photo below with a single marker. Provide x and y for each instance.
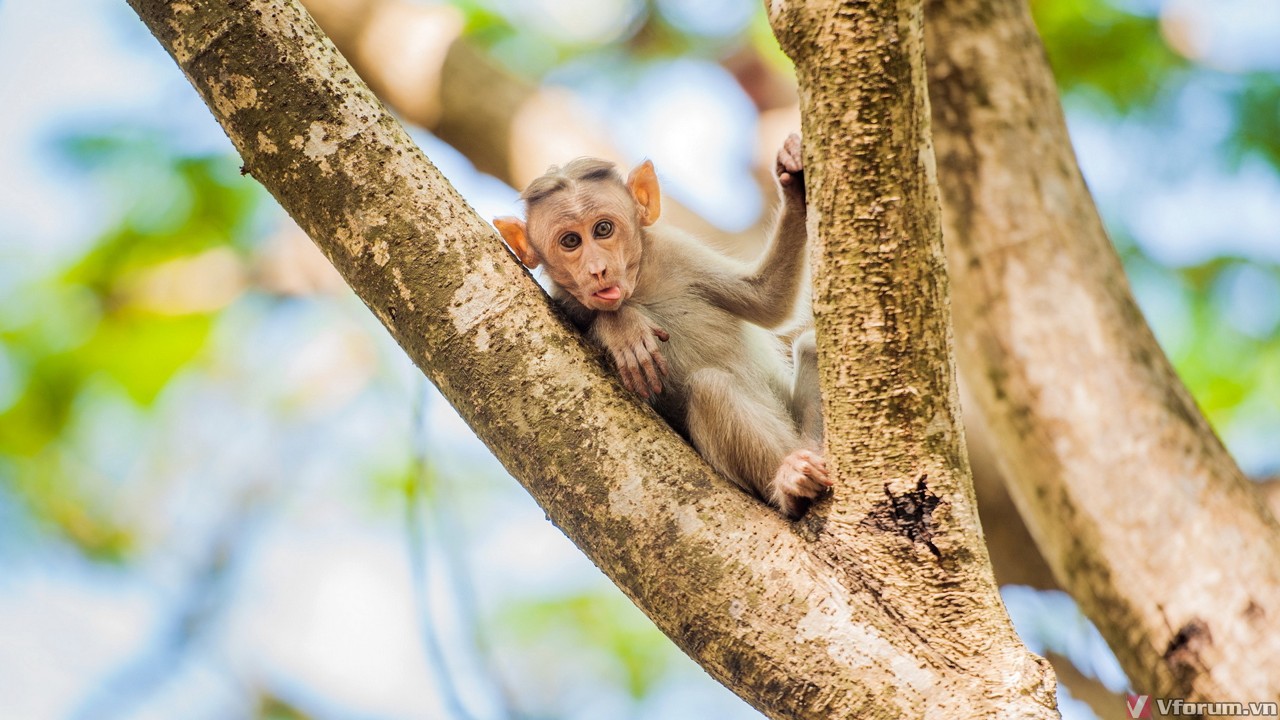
(586, 225)
(590, 243)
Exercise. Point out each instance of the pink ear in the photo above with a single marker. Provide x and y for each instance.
(643, 184)
(514, 233)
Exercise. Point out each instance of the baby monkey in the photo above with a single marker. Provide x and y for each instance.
(720, 376)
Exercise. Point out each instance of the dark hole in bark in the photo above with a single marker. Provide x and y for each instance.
(909, 514)
(1254, 612)
(1183, 653)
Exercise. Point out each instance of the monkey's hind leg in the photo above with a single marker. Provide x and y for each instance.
(806, 396)
(749, 436)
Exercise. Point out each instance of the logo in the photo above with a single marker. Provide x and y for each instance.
(1139, 706)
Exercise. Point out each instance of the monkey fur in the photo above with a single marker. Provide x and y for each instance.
(689, 329)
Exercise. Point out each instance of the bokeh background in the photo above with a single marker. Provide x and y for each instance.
(225, 493)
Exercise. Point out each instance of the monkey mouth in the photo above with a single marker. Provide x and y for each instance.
(611, 294)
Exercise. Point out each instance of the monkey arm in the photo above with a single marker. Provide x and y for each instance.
(628, 336)
(631, 339)
(765, 295)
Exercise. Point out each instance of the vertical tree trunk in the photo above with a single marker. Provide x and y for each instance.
(881, 308)
(1137, 507)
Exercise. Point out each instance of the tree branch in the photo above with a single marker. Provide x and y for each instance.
(1137, 507)
(894, 441)
(1014, 556)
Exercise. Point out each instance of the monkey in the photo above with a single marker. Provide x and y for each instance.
(690, 330)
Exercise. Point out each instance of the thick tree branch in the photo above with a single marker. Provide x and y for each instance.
(1135, 504)
(1269, 489)
(1014, 556)
(880, 299)
(798, 619)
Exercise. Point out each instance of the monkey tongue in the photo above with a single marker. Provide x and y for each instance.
(610, 294)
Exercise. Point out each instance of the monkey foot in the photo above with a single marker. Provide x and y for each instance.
(801, 477)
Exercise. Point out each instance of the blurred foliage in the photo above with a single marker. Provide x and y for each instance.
(634, 655)
(529, 43)
(1257, 118)
(274, 708)
(83, 334)
(1101, 49)
(1225, 340)
(1121, 63)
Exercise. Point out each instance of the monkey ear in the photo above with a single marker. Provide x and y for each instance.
(513, 231)
(643, 184)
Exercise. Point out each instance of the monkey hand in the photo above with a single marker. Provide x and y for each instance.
(631, 339)
(790, 168)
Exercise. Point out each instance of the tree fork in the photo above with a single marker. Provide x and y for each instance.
(788, 616)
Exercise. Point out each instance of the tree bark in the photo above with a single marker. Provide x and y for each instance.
(1014, 556)
(811, 620)
(1134, 502)
(1269, 489)
(881, 308)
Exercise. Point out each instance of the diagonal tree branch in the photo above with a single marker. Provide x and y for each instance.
(828, 618)
(1137, 507)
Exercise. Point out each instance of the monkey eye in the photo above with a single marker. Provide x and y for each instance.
(603, 229)
(570, 241)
